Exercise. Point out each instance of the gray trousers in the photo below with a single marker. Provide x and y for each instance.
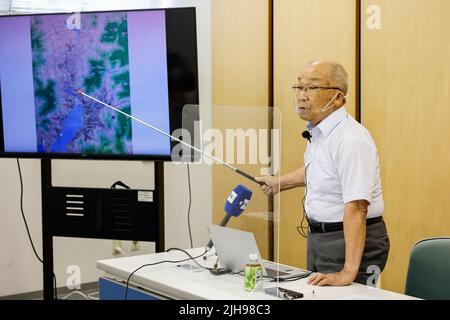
(326, 253)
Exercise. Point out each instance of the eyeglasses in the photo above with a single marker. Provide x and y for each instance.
(311, 90)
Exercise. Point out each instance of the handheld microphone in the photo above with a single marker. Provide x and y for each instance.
(307, 135)
(236, 203)
(242, 173)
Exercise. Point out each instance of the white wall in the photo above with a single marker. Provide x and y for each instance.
(19, 269)
(4, 6)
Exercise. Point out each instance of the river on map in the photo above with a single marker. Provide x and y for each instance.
(71, 126)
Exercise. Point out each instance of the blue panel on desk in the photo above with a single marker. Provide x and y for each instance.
(111, 290)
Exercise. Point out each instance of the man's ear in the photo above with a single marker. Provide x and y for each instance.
(340, 100)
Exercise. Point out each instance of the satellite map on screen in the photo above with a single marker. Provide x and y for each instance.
(87, 52)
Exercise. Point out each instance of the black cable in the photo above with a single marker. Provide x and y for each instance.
(242, 273)
(28, 229)
(301, 228)
(239, 272)
(189, 207)
(306, 275)
(120, 184)
(160, 262)
(23, 214)
(55, 296)
(190, 257)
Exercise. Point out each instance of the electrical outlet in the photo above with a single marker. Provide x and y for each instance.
(135, 246)
(116, 246)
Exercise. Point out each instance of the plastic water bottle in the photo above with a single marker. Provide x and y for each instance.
(253, 274)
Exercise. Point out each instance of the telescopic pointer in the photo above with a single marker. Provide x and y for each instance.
(242, 173)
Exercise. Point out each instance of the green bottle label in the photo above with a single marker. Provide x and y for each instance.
(253, 277)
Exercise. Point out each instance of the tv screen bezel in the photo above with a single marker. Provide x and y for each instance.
(181, 24)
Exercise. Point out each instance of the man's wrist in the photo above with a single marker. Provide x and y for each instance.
(350, 270)
(282, 183)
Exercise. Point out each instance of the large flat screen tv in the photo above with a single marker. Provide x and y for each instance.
(142, 62)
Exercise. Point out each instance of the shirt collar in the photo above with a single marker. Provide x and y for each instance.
(330, 122)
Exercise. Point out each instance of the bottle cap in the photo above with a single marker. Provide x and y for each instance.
(253, 256)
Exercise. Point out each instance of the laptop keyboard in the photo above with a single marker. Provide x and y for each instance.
(275, 273)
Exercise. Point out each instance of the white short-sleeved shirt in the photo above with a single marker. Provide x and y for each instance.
(342, 166)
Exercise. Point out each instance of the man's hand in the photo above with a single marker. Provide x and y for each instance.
(271, 184)
(342, 278)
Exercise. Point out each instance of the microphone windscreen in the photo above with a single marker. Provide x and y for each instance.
(238, 200)
(306, 134)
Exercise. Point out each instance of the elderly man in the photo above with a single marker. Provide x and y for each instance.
(347, 237)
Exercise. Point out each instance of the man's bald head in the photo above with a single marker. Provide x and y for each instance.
(326, 73)
(321, 89)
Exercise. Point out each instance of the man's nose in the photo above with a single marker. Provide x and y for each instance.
(302, 96)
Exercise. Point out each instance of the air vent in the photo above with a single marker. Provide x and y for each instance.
(122, 209)
(102, 214)
(74, 205)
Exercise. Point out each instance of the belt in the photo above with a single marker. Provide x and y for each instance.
(321, 227)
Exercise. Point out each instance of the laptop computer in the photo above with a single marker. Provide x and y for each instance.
(234, 246)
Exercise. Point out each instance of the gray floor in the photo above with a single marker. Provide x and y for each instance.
(88, 291)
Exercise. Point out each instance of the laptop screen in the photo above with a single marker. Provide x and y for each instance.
(233, 246)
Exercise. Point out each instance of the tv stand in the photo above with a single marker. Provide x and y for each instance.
(95, 212)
